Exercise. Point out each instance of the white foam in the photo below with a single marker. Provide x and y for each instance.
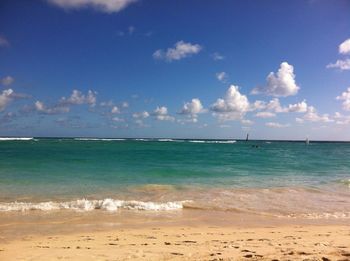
(97, 139)
(15, 138)
(89, 205)
(166, 140)
(213, 141)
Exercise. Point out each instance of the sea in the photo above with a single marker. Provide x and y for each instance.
(282, 179)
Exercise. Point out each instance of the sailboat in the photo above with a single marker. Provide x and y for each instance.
(307, 141)
(246, 139)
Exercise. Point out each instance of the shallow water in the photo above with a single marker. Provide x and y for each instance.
(279, 179)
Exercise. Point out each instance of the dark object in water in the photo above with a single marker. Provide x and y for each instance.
(255, 146)
(246, 139)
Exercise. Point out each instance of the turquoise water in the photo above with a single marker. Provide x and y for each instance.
(205, 174)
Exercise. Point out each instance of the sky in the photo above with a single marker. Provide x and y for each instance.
(175, 69)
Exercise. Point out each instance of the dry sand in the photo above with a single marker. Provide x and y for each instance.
(291, 242)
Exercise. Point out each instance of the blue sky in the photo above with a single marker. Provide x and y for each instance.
(180, 69)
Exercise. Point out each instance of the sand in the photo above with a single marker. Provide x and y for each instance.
(291, 242)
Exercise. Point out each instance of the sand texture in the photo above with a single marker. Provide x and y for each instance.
(328, 242)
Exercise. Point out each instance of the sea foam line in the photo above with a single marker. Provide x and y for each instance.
(97, 139)
(89, 205)
(15, 138)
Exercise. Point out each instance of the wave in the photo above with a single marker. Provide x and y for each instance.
(89, 205)
(166, 140)
(97, 139)
(14, 138)
(345, 182)
(213, 141)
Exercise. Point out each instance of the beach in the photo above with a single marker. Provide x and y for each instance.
(297, 242)
(116, 199)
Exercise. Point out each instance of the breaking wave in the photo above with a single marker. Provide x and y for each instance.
(97, 139)
(89, 205)
(14, 138)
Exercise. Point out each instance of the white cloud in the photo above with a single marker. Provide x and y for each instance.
(233, 106)
(275, 106)
(115, 110)
(298, 107)
(188, 120)
(345, 97)
(276, 125)
(78, 98)
(280, 84)
(247, 122)
(192, 108)
(117, 119)
(7, 96)
(4, 42)
(344, 47)
(141, 115)
(106, 6)
(221, 76)
(161, 114)
(313, 116)
(8, 80)
(125, 105)
(340, 64)
(42, 108)
(341, 119)
(265, 114)
(217, 57)
(180, 50)
(140, 123)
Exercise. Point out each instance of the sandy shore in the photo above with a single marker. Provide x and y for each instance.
(294, 242)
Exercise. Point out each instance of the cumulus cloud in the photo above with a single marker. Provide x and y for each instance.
(340, 64)
(280, 84)
(345, 97)
(106, 6)
(344, 64)
(180, 50)
(42, 108)
(125, 105)
(222, 76)
(7, 96)
(344, 47)
(115, 110)
(276, 125)
(341, 119)
(298, 107)
(275, 106)
(78, 98)
(265, 114)
(161, 114)
(4, 42)
(8, 80)
(233, 106)
(141, 115)
(313, 116)
(217, 56)
(193, 107)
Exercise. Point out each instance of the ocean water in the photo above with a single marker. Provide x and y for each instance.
(280, 179)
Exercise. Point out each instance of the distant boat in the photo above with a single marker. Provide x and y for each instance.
(307, 141)
(246, 139)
